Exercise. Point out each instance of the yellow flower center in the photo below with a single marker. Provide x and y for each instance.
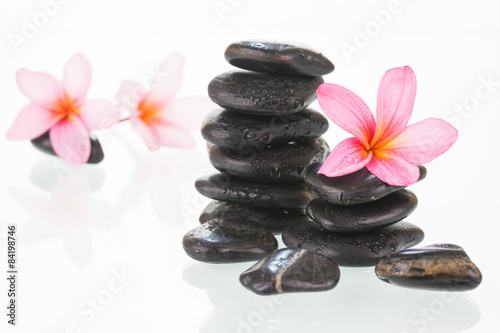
(149, 112)
(66, 107)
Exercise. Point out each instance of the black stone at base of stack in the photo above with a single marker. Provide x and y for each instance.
(228, 240)
(355, 250)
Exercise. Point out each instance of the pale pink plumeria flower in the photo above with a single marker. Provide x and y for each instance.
(157, 116)
(62, 108)
(388, 148)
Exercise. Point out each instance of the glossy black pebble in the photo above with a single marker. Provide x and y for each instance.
(234, 130)
(263, 94)
(279, 162)
(352, 189)
(274, 220)
(42, 143)
(224, 187)
(229, 240)
(291, 270)
(353, 250)
(363, 217)
(277, 58)
(435, 267)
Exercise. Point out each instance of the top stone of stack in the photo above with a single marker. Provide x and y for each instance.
(278, 58)
(277, 79)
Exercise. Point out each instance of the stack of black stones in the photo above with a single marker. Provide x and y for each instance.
(268, 148)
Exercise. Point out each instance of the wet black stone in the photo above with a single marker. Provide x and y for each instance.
(278, 58)
(363, 217)
(42, 143)
(279, 162)
(435, 267)
(229, 240)
(229, 129)
(274, 220)
(263, 94)
(291, 270)
(352, 189)
(353, 250)
(224, 187)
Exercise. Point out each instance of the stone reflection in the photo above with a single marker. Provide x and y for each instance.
(360, 303)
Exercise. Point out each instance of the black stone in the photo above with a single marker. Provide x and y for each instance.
(274, 220)
(42, 143)
(353, 250)
(291, 270)
(224, 187)
(435, 267)
(277, 58)
(280, 162)
(229, 240)
(364, 217)
(352, 189)
(263, 94)
(229, 129)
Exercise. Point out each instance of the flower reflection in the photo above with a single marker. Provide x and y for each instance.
(68, 210)
(167, 178)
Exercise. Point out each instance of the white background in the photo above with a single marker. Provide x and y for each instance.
(80, 228)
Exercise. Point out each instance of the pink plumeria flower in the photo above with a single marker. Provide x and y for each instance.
(156, 115)
(388, 148)
(61, 107)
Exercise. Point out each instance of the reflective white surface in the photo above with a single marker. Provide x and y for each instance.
(99, 247)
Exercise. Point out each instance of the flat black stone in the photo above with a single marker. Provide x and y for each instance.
(353, 250)
(363, 217)
(291, 270)
(352, 189)
(279, 58)
(435, 267)
(42, 143)
(263, 94)
(274, 220)
(229, 240)
(234, 130)
(277, 162)
(224, 187)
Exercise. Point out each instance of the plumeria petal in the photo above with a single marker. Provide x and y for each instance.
(167, 80)
(41, 88)
(396, 95)
(70, 140)
(171, 136)
(392, 169)
(147, 132)
(424, 141)
(98, 114)
(31, 122)
(349, 156)
(130, 94)
(187, 113)
(347, 110)
(77, 77)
